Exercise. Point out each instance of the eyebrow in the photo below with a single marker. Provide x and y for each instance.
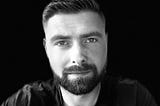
(97, 34)
(60, 36)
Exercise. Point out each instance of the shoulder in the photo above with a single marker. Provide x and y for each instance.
(131, 91)
(36, 90)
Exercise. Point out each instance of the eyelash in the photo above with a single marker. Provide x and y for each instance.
(94, 40)
(61, 43)
(67, 43)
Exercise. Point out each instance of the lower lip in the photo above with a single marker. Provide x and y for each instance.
(79, 74)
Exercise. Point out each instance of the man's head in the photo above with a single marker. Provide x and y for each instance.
(75, 43)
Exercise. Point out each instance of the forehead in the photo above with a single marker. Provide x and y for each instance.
(74, 24)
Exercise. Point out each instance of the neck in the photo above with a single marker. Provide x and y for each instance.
(89, 99)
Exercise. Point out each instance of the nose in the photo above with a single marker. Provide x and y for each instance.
(78, 54)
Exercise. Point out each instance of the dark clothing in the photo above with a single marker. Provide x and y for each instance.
(114, 92)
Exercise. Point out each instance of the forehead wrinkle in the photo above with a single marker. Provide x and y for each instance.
(67, 24)
(61, 28)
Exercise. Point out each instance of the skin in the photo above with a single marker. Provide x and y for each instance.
(71, 47)
(74, 48)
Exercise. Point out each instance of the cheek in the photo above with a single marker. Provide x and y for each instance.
(56, 60)
(99, 55)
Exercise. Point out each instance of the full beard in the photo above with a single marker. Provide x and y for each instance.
(80, 85)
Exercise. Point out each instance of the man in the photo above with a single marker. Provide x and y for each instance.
(76, 46)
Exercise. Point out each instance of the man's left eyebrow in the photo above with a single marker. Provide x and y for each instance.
(97, 34)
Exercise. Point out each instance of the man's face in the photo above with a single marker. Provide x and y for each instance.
(76, 45)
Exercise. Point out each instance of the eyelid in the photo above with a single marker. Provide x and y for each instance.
(60, 41)
(95, 38)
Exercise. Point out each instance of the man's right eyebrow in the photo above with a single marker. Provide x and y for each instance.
(59, 37)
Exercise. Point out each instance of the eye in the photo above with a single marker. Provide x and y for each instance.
(91, 40)
(62, 43)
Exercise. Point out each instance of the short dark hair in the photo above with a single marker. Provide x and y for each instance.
(70, 6)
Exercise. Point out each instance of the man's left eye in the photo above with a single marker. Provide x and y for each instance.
(91, 40)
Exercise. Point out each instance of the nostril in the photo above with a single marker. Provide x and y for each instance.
(83, 61)
(79, 62)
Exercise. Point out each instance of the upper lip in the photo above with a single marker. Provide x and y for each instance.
(77, 72)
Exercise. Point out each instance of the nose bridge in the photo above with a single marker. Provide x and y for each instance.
(76, 49)
(77, 53)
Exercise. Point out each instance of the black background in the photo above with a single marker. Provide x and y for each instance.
(133, 44)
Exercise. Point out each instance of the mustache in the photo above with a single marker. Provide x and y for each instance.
(83, 67)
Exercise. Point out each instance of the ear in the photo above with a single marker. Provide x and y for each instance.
(106, 39)
(44, 43)
(106, 36)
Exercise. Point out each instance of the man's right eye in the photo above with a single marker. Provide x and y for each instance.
(62, 43)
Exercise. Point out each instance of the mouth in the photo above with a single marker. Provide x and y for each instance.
(78, 72)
